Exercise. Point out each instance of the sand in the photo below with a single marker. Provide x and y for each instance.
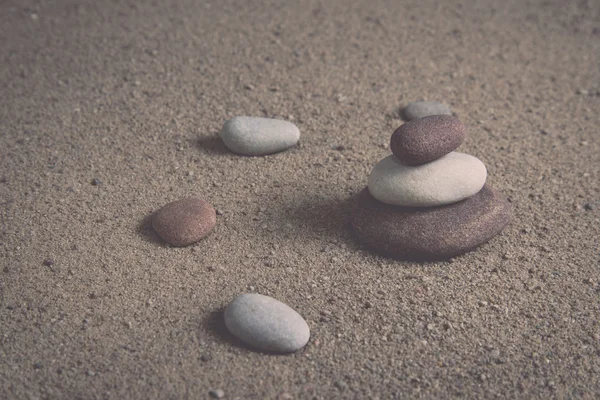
(134, 94)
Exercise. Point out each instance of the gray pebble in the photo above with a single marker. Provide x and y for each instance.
(254, 136)
(420, 109)
(266, 323)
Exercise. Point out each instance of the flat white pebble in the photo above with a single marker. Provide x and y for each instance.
(449, 179)
(420, 109)
(256, 136)
(266, 323)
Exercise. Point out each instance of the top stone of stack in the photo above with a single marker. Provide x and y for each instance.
(426, 139)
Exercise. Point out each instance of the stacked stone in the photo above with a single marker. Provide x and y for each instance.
(426, 201)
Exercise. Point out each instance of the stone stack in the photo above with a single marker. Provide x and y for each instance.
(426, 201)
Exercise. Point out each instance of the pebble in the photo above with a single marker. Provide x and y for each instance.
(254, 136)
(96, 182)
(266, 323)
(341, 385)
(420, 109)
(184, 221)
(216, 393)
(426, 139)
(452, 178)
(434, 233)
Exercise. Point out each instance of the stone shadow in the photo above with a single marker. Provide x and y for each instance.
(212, 144)
(145, 230)
(313, 215)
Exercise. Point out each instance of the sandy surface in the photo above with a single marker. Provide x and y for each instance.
(134, 93)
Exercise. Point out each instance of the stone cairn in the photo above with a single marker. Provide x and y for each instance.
(426, 201)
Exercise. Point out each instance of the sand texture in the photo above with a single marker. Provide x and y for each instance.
(133, 95)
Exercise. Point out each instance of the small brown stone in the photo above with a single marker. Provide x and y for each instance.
(48, 262)
(426, 139)
(430, 233)
(184, 221)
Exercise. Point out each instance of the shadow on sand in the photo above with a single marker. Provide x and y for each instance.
(145, 230)
(212, 144)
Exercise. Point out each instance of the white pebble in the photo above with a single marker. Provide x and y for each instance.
(266, 323)
(452, 178)
(255, 136)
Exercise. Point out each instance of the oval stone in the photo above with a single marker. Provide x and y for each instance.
(449, 179)
(254, 136)
(430, 233)
(184, 221)
(266, 323)
(420, 109)
(426, 139)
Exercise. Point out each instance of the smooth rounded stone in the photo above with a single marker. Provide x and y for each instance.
(420, 109)
(266, 324)
(430, 233)
(254, 136)
(426, 139)
(184, 221)
(449, 179)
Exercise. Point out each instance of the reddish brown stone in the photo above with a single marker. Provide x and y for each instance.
(430, 233)
(184, 221)
(426, 139)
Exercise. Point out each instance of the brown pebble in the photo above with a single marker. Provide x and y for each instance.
(430, 233)
(426, 139)
(184, 221)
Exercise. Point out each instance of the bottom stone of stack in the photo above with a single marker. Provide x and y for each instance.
(430, 233)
